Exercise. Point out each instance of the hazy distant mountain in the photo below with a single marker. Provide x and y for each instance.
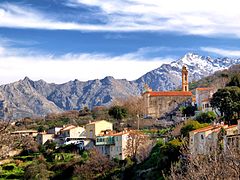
(29, 98)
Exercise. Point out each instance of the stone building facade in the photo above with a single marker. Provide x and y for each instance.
(157, 103)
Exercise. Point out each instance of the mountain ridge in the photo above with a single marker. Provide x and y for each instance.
(27, 97)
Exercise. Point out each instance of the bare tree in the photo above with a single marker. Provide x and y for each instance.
(12, 143)
(134, 105)
(135, 108)
(8, 143)
(138, 146)
(215, 165)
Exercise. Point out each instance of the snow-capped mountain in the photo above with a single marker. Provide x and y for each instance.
(168, 76)
(29, 98)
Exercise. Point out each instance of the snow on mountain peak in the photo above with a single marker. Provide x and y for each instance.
(168, 76)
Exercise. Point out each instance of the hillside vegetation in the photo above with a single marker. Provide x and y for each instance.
(219, 79)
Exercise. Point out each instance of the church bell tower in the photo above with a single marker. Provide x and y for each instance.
(184, 79)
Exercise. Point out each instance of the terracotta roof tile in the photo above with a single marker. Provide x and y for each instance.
(170, 93)
(203, 129)
(68, 128)
(212, 128)
(24, 131)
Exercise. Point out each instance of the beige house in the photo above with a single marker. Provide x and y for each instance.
(95, 128)
(42, 138)
(204, 140)
(72, 131)
(113, 144)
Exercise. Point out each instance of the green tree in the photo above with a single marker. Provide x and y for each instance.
(118, 112)
(206, 117)
(227, 101)
(41, 128)
(235, 81)
(189, 110)
(161, 158)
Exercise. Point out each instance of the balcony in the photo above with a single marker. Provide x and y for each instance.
(105, 140)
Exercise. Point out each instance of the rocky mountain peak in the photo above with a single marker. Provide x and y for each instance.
(26, 79)
(31, 98)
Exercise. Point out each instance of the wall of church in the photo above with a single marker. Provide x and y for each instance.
(158, 105)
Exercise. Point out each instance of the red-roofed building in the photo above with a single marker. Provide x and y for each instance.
(204, 140)
(113, 144)
(156, 103)
(232, 140)
(203, 97)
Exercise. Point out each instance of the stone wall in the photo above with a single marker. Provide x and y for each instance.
(159, 105)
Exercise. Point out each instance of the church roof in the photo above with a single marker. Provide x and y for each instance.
(170, 93)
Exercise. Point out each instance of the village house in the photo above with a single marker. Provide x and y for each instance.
(156, 103)
(62, 135)
(70, 134)
(203, 97)
(232, 140)
(54, 130)
(72, 131)
(204, 140)
(93, 129)
(112, 144)
(28, 132)
(43, 137)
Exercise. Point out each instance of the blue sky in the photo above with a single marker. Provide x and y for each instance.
(62, 40)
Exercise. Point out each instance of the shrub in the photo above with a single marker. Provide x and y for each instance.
(190, 126)
(206, 117)
(8, 167)
(37, 170)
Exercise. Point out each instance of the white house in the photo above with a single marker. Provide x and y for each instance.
(204, 140)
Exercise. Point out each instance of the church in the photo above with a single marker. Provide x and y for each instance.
(157, 103)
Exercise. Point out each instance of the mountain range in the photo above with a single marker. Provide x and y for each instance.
(27, 98)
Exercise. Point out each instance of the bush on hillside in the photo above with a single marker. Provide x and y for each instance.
(206, 117)
(190, 126)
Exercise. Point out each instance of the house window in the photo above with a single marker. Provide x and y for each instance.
(91, 133)
(202, 137)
